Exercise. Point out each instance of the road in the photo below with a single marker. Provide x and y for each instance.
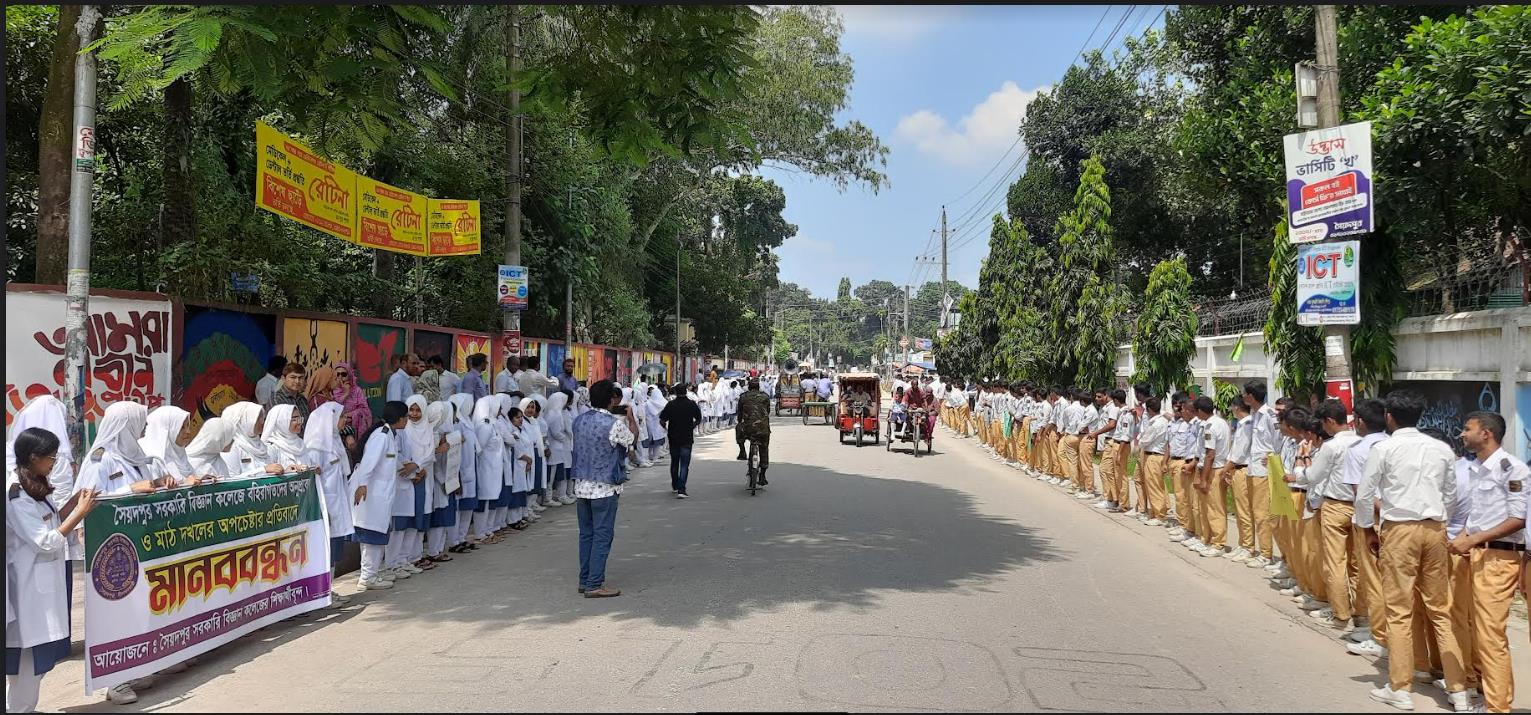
(859, 580)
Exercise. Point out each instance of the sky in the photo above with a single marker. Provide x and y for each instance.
(944, 87)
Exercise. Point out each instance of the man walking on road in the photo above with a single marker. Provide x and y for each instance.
(755, 424)
(680, 417)
(601, 440)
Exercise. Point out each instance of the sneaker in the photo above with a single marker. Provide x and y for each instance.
(1367, 647)
(1327, 612)
(1131, 513)
(411, 568)
(1359, 635)
(1240, 555)
(1085, 494)
(1153, 522)
(1470, 692)
(396, 573)
(1257, 562)
(681, 495)
(1459, 702)
(1291, 591)
(1182, 536)
(121, 695)
(1335, 623)
(1400, 699)
(568, 500)
(1144, 519)
(340, 598)
(1102, 504)
(1176, 530)
(1213, 552)
(373, 585)
(1279, 574)
(1283, 583)
(1310, 603)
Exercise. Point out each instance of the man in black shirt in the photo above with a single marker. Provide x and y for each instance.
(679, 418)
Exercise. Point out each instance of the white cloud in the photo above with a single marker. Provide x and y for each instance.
(981, 136)
(893, 23)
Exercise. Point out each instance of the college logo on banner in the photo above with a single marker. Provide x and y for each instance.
(454, 227)
(391, 218)
(293, 181)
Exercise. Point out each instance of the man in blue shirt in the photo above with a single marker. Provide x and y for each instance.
(566, 380)
(473, 382)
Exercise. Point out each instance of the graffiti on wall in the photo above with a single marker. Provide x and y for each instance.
(468, 344)
(314, 343)
(223, 355)
(129, 345)
(430, 342)
(1449, 402)
(375, 347)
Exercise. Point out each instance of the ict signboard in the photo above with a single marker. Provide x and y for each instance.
(1329, 283)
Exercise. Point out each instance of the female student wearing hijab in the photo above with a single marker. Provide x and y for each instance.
(467, 496)
(205, 452)
(248, 456)
(654, 437)
(47, 412)
(410, 515)
(490, 466)
(283, 437)
(323, 449)
(507, 435)
(383, 470)
(166, 437)
(446, 481)
(37, 573)
(531, 427)
(559, 417)
(521, 465)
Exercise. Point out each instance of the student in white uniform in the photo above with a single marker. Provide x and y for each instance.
(166, 437)
(37, 573)
(559, 420)
(283, 437)
(411, 516)
(47, 412)
(654, 432)
(384, 469)
(704, 400)
(323, 449)
(490, 466)
(205, 452)
(521, 464)
(467, 494)
(504, 506)
(446, 481)
(248, 455)
(531, 427)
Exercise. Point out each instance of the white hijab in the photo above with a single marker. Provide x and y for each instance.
(120, 428)
(420, 435)
(44, 412)
(205, 453)
(283, 442)
(321, 438)
(242, 416)
(464, 404)
(165, 425)
(555, 419)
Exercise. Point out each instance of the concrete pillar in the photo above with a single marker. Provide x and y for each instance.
(1509, 371)
(1210, 385)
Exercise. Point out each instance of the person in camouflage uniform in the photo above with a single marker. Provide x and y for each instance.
(755, 424)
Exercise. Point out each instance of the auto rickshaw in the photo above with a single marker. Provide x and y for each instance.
(789, 390)
(860, 407)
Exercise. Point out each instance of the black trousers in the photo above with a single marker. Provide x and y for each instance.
(763, 441)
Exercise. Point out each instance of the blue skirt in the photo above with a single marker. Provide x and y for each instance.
(651, 443)
(422, 518)
(560, 472)
(49, 654)
(517, 500)
(370, 537)
(537, 482)
(503, 502)
(468, 504)
(445, 516)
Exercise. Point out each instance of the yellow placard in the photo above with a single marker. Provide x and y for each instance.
(293, 181)
(454, 227)
(390, 218)
(1282, 503)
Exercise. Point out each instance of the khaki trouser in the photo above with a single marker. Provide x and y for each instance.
(1068, 454)
(1495, 574)
(1124, 451)
(1413, 555)
(1054, 454)
(1335, 522)
(1185, 497)
(1213, 505)
(1369, 598)
(1243, 509)
(1021, 435)
(1087, 464)
(1110, 486)
(1311, 534)
(1153, 483)
(1260, 511)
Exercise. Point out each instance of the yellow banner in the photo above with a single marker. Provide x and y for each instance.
(293, 181)
(1282, 502)
(454, 227)
(391, 218)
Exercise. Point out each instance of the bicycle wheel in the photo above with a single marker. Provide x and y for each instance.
(754, 467)
(858, 433)
(916, 427)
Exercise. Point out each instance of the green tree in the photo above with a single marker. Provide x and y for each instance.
(1083, 287)
(1165, 341)
(1298, 349)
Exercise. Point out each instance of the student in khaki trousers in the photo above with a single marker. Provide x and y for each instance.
(1212, 495)
(1154, 439)
(1236, 476)
(1337, 510)
(1408, 490)
(1494, 539)
(1264, 437)
(1087, 424)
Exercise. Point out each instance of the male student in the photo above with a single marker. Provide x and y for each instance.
(1211, 492)
(1325, 477)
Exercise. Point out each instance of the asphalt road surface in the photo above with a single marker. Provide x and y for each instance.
(860, 579)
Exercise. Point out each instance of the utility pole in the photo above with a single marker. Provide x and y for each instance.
(945, 297)
(568, 293)
(1326, 40)
(81, 186)
(511, 319)
(677, 301)
(907, 344)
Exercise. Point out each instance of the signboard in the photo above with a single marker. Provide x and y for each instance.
(1329, 183)
(922, 343)
(903, 342)
(292, 181)
(244, 282)
(174, 574)
(1329, 283)
(454, 227)
(1342, 390)
(391, 218)
(512, 287)
(510, 344)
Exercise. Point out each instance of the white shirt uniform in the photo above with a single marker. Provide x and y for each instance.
(1498, 493)
(1104, 416)
(1264, 439)
(35, 561)
(1215, 436)
(504, 381)
(1410, 476)
(1238, 448)
(1126, 424)
(1458, 521)
(379, 473)
(1326, 475)
(1155, 435)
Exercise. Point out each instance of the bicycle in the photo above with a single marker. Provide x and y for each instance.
(752, 467)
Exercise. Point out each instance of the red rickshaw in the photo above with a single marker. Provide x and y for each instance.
(860, 407)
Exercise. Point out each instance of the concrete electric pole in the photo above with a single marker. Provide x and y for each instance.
(81, 187)
(511, 319)
(1326, 40)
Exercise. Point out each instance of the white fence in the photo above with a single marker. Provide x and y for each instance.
(1461, 362)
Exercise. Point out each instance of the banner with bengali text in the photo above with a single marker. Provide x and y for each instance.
(391, 218)
(293, 181)
(454, 227)
(177, 573)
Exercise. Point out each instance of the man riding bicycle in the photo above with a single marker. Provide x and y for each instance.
(755, 424)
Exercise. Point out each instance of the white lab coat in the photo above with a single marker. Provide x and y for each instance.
(490, 465)
(379, 473)
(35, 563)
(323, 449)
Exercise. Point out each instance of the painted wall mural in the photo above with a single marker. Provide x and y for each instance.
(129, 342)
(430, 342)
(315, 343)
(468, 344)
(375, 347)
(1449, 403)
(223, 355)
